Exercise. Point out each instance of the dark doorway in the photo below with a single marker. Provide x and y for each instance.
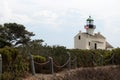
(95, 46)
(79, 37)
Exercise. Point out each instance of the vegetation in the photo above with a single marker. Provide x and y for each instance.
(14, 65)
(16, 47)
(12, 34)
(91, 73)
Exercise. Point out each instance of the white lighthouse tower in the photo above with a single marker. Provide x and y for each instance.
(89, 39)
(90, 27)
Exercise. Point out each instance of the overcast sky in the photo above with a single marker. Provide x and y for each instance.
(58, 21)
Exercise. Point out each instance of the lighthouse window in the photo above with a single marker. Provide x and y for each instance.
(79, 37)
(95, 46)
(89, 43)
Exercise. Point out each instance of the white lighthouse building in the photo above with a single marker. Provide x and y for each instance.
(89, 39)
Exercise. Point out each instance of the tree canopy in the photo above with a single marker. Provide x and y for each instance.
(12, 34)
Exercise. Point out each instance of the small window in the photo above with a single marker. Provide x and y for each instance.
(95, 45)
(79, 37)
(89, 43)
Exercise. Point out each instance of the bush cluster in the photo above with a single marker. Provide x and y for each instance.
(13, 64)
(89, 58)
(40, 66)
(39, 59)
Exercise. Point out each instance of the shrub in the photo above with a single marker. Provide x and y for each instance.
(88, 58)
(39, 58)
(14, 65)
(8, 57)
(7, 76)
(40, 67)
(116, 57)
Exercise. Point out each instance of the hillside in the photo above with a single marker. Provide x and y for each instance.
(91, 73)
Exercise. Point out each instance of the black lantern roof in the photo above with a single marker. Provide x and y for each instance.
(90, 19)
(90, 23)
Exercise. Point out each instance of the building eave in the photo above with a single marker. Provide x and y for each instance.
(108, 45)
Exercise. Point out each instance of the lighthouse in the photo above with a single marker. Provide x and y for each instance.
(90, 27)
(89, 39)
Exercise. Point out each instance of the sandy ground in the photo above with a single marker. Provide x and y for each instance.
(62, 75)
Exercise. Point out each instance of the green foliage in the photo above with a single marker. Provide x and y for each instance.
(39, 59)
(59, 54)
(8, 56)
(40, 67)
(95, 57)
(12, 34)
(14, 65)
(7, 76)
(85, 58)
(20, 66)
(116, 58)
(4, 43)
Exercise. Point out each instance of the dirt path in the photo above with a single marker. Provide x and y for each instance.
(94, 73)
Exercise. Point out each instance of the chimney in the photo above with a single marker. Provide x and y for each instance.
(99, 33)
